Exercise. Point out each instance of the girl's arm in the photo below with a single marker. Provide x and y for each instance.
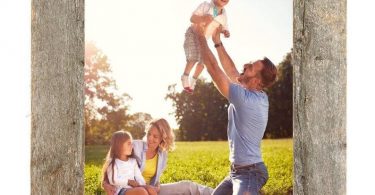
(118, 181)
(138, 175)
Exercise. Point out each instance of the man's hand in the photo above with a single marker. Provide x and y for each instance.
(109, 189)
(199, 30)
(226, 33)
(133, 183)
(206, 19)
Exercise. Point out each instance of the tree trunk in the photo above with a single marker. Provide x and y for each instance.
(57, 99)
(319, 111)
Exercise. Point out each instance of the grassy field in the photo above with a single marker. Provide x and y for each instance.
(206, 163)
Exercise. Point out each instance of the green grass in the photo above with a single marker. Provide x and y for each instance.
(206, 163)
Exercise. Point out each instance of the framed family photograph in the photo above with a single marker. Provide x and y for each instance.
(188, 97)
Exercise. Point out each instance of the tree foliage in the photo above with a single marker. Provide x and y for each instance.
(280, 119)
(138, 124)
(201, 115)
(105, 108)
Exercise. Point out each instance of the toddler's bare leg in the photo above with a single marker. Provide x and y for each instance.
(188, 67)
(198, 70)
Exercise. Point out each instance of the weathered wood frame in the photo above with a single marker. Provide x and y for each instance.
(319, 96)
(319, 61)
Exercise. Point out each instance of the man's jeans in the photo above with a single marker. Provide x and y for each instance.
(247, 180)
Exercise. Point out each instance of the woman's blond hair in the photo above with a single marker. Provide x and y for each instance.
(167, 135)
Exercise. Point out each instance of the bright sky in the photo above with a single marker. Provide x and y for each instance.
(144, 42)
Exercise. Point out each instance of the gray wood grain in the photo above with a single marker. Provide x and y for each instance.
(319, 95)
(57, 99)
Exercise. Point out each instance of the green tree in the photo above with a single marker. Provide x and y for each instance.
(201, 115)
(138, 123)
(105, 108)
(280, 95)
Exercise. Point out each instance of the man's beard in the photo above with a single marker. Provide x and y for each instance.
(244, 79)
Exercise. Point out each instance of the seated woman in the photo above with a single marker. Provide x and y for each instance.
(152, 155)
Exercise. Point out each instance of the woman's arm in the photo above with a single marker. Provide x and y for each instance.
(108, 188)
(152, 190)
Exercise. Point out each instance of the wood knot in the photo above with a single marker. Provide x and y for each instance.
(318, 58)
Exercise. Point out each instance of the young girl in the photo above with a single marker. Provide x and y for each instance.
(121, 166)
(208, 15)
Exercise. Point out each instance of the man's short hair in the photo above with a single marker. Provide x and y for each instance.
(268, 73)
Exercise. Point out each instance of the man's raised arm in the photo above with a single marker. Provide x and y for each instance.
(225, 60)
(220, 79)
